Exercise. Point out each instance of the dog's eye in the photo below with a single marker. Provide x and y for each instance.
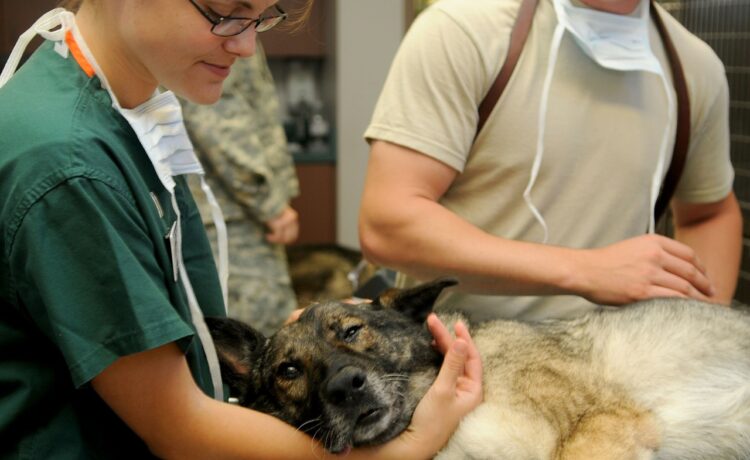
(350, 333)
(288, 371)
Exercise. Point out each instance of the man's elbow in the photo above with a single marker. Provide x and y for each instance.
(374, 245)
(386, 233)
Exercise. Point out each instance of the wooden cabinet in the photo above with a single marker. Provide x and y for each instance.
(316, 203)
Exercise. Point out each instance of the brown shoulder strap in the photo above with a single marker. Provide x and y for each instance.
(517, 40)
(682, 136)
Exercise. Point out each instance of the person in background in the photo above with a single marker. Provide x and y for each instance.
(106, 271)
(545, 213)
(241, 143)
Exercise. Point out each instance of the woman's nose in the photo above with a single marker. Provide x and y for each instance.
(242, 45)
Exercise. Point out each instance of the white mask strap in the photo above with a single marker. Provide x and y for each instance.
(552, 61)
(221, 235)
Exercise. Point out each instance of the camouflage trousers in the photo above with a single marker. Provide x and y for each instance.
(260, 290)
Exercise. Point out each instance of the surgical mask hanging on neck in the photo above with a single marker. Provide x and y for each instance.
(159, 126)
(615, 42)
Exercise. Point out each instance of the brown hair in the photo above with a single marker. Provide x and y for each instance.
(298, 14)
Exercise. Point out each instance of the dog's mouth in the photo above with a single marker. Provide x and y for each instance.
(370, 416)
(368, 425)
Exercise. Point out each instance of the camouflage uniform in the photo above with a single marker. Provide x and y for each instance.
(242, 146)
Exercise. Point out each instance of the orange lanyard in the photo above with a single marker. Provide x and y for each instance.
(78, 55)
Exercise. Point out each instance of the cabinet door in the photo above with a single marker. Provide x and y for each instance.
(308, 40)
(316, 203)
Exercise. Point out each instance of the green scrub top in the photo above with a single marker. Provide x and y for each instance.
(86, 274)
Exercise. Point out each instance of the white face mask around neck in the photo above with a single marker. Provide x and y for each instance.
(614, 41)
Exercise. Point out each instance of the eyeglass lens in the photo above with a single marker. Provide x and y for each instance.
(230, 26)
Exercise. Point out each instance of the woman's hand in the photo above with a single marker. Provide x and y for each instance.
(456, 391)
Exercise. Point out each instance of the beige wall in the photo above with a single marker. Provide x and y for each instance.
(367, 35)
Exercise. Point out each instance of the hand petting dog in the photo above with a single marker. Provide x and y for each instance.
(458, 387)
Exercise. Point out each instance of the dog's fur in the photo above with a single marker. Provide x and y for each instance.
(667, 379)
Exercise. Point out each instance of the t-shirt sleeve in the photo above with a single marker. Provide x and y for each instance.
(708, 175)
(435, 84)
(85, 270)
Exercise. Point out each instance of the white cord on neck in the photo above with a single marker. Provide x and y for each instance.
(552, 61)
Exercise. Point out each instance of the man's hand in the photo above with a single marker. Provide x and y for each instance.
(284, 228)
(640, 268)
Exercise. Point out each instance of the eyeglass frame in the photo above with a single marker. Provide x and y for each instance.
(222, 19)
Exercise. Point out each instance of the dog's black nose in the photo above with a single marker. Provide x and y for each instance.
(346, 385)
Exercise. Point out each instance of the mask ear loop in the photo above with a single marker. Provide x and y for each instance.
(536, 165)
(41, 27)
(222, 239)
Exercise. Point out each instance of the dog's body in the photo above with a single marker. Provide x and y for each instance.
(667, 379)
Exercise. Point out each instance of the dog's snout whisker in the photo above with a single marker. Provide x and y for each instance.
(313, 438)
(395, 377)
(313, 422)
(328, 440)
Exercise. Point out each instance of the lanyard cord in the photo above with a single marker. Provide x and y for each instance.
(536, 165)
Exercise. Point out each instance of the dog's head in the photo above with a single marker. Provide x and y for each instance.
(346, 374)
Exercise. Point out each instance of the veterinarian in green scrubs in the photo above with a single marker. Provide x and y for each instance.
(106, 269)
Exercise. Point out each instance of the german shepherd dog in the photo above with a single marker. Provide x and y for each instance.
(666, 379)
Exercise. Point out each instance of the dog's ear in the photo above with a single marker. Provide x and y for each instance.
(240, 348)
(415, 302)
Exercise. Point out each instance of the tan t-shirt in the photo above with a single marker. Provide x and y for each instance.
(603, 133)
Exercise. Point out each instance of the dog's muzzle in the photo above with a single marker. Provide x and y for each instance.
(346, 386)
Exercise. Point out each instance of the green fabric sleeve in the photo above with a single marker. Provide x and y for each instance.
(91, 282)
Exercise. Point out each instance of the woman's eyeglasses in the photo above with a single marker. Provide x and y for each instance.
(231, 25)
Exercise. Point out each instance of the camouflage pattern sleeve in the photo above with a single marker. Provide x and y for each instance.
(241, 142)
